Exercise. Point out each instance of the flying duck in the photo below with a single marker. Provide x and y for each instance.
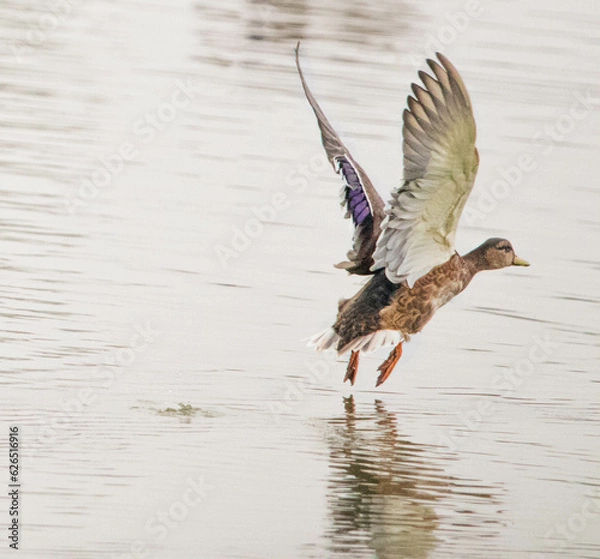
(408, 248)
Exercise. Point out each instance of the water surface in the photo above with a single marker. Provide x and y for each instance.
(138, 140)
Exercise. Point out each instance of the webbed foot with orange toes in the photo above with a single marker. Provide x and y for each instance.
(352, 367)
(388, 365)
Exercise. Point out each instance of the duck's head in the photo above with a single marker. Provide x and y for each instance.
(496, 253)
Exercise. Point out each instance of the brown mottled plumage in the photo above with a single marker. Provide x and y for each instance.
(411, 309)
(410, 251)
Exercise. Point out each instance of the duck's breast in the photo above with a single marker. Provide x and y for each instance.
(412, 309)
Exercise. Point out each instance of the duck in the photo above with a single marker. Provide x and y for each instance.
(407, 248)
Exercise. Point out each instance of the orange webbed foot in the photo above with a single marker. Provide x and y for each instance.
(388, 365)
(352, 367)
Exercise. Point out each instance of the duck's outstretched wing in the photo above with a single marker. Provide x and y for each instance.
(440, 164)
(359, 197)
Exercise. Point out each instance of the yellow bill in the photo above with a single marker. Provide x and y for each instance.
(520, 262)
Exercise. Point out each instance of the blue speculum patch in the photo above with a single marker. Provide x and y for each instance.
(356, 198)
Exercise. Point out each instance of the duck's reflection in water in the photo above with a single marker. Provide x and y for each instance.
(382, 492)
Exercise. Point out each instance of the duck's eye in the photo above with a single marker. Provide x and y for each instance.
(506, 249)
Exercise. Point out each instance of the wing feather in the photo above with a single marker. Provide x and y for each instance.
(360, 199)
(440, 164)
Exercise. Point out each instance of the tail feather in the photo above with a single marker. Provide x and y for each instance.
(324, 340)
(373, 341)
(328, 339)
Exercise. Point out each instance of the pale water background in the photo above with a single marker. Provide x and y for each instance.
(485, 442)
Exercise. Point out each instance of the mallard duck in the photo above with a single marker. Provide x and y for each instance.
(408, 248)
